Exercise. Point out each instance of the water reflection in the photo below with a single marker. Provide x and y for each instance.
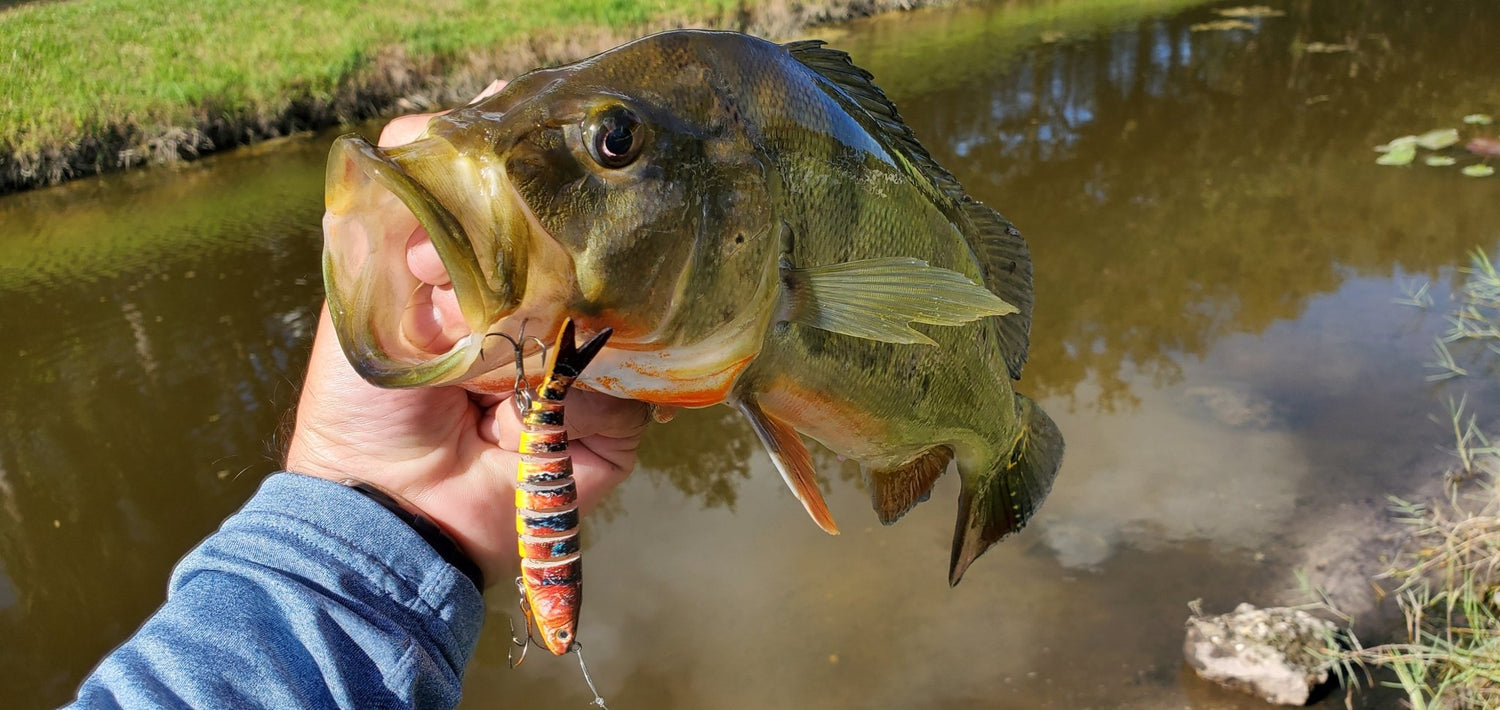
(703, 453)
(1214, 249)
(151, 347)
(1166, 179)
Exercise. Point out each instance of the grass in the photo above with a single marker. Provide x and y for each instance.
(98, 85)
(74, 68)
(1446, 576)
(95, 85)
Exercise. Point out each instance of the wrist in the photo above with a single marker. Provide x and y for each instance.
(438, 539)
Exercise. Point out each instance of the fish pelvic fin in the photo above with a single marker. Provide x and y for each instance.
(790, 455)
(998, 501)
(894, 491)
(879, 299)
(1005, 266)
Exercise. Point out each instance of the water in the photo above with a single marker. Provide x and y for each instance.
(1217, 256)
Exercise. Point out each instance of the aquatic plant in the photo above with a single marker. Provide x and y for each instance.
(1403, 150)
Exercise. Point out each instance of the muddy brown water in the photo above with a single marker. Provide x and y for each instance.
(1217, 257)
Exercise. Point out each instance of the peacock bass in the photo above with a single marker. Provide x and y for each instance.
(757, 226)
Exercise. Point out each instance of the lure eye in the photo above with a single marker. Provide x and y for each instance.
(615, 137)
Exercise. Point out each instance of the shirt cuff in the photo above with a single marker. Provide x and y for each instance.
(340, 540)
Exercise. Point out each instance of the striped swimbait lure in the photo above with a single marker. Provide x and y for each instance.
(551, 581)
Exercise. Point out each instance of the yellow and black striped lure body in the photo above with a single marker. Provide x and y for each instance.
(547, 499)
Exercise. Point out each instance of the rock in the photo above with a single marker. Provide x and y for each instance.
(1268, 653)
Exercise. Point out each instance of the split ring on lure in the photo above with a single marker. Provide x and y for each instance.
(546, 497)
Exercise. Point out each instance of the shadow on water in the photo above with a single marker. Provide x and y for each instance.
(1216, 255)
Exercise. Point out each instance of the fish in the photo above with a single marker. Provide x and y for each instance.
(551, 581)
(757, 226)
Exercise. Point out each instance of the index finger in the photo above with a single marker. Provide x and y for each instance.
(589, 414)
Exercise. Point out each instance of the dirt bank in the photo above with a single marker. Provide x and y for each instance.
(392, 82)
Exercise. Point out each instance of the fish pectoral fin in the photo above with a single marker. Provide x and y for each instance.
(894, 491)
(879, 299)
(996, 502)
(789, 454)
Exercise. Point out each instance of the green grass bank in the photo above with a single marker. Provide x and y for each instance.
(96, 85)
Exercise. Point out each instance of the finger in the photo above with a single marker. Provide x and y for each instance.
(405, 129)
(596, 476)
(422, 259)
(494, 88)
(598, 414)
(432, 321)
(587, 414)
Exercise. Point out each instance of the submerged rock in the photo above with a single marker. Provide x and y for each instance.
(1268, 653)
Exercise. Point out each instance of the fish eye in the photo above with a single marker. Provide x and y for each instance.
(615, 137)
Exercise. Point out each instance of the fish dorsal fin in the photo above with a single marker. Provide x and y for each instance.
(894, 491)
(1005, 265)
(790, 455)
(877, 299)
(1002, 253)
(858, 86)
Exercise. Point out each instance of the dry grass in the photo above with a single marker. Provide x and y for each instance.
(1446, 576)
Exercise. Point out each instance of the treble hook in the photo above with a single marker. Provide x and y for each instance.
(522, 391)
(526, 644)
(523, 644)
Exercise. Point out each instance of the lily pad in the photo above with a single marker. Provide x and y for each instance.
(1438, 139)
(1478, 119)
(1439, 161)
(1397, 144)
(1479, 170)
(1398, 155)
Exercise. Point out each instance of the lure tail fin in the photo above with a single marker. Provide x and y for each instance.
(567, 359)
(997, 501)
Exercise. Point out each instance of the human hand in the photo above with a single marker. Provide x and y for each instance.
(448, 452)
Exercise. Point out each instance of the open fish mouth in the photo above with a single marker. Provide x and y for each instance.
(402, 326)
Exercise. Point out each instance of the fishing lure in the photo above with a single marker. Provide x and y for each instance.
(551, 578)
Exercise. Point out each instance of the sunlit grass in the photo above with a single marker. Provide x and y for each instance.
(73, 69)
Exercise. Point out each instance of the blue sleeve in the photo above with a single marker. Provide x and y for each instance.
(310, 596)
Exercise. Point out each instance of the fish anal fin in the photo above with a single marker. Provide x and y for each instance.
(998, 501)
(790, 456)
(894, 491)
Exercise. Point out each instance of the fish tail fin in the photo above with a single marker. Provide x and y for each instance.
(997, 501)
